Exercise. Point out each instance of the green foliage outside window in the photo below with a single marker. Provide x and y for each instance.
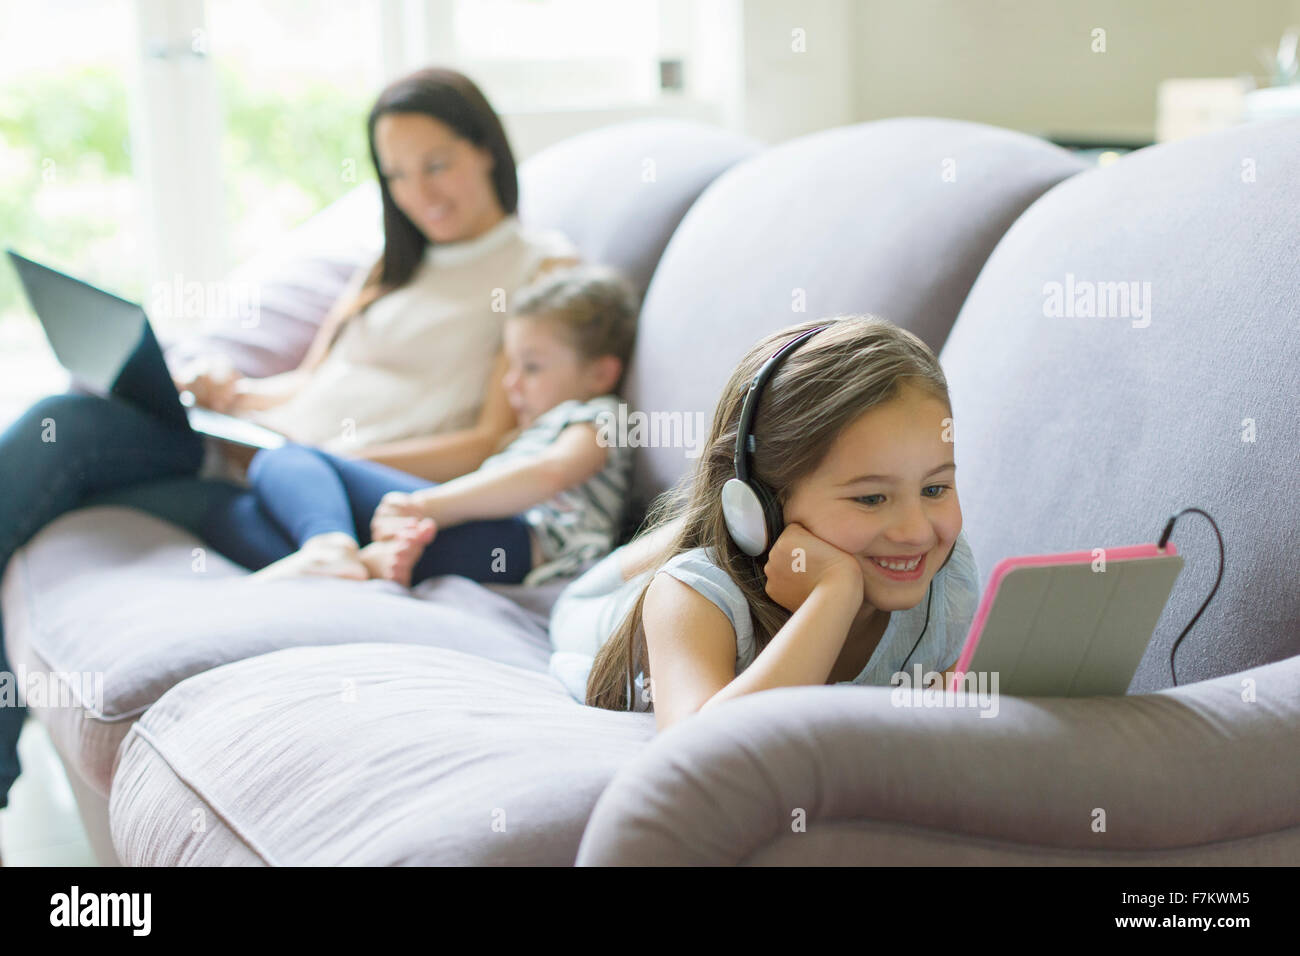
(299, 148)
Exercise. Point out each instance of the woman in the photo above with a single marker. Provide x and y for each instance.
(406, 369)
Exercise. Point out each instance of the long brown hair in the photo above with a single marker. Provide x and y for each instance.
(451, 98)
(857, 363)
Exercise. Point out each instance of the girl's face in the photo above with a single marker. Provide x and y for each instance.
(887, 490)
(441, 182)
(543, 369)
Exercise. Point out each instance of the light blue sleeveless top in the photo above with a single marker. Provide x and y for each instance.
(589, 610)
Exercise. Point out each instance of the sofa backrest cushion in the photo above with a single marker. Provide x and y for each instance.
(893, 217)
(1132, 348)
(619, 192)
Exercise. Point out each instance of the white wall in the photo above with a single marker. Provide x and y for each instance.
(778, 69)
(1021, 64)
(532, 132)
(1028, 64)
(799, 69)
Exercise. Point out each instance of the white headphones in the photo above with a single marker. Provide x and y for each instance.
(750, 509)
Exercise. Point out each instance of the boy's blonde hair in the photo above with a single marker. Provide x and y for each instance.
(594, 304)
(858, 363)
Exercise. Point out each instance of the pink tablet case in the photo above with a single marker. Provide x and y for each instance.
(1051, 625)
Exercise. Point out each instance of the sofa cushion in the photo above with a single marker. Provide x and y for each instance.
(619, 192)
(1079, 428)
(893, 217)
(117, 593)
(366, 754)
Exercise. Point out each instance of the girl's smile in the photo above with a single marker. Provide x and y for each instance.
(901, 569)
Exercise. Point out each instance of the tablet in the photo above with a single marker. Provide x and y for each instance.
(1070, 625)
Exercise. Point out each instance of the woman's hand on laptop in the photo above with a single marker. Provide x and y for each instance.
(211, 380)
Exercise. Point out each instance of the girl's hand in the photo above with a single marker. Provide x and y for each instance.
(395, 511)
(799, 561)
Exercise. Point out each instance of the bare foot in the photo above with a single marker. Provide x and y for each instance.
(326, 555)
(394, 558)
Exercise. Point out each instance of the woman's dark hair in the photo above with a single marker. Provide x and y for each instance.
(451, 98)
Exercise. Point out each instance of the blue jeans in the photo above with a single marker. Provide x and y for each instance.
(302, 492)
(69, 451)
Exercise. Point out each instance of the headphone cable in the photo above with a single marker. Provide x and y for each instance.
(1164, 538)
(928, 601)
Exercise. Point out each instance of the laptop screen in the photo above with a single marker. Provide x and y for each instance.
(93, 333)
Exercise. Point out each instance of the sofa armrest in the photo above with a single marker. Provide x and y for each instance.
(1190, 765)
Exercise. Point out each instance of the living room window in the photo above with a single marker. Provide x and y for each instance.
(146, 140)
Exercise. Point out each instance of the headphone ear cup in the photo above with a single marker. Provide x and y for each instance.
(772, 514)
(745, 516)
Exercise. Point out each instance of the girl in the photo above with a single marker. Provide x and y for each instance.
(867, 572)
(548, 503)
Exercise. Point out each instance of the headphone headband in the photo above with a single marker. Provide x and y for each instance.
(744, 440)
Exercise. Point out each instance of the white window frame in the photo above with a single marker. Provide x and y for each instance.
(418, 33)
(176, 144)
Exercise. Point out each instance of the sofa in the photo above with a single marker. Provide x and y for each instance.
(321, 722)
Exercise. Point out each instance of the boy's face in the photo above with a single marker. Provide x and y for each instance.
(543, 369)
(911, 511)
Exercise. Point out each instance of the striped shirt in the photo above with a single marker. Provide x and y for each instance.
(580, 523)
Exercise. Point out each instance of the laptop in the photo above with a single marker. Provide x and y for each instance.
(108, 347)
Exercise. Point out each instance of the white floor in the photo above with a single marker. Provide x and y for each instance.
(41, 827)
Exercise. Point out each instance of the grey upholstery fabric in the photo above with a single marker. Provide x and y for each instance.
(114, 591)
(1080, 432)
(282, 767)
(619, 192)
(851, 220)
(374, 754)
(840, 775)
